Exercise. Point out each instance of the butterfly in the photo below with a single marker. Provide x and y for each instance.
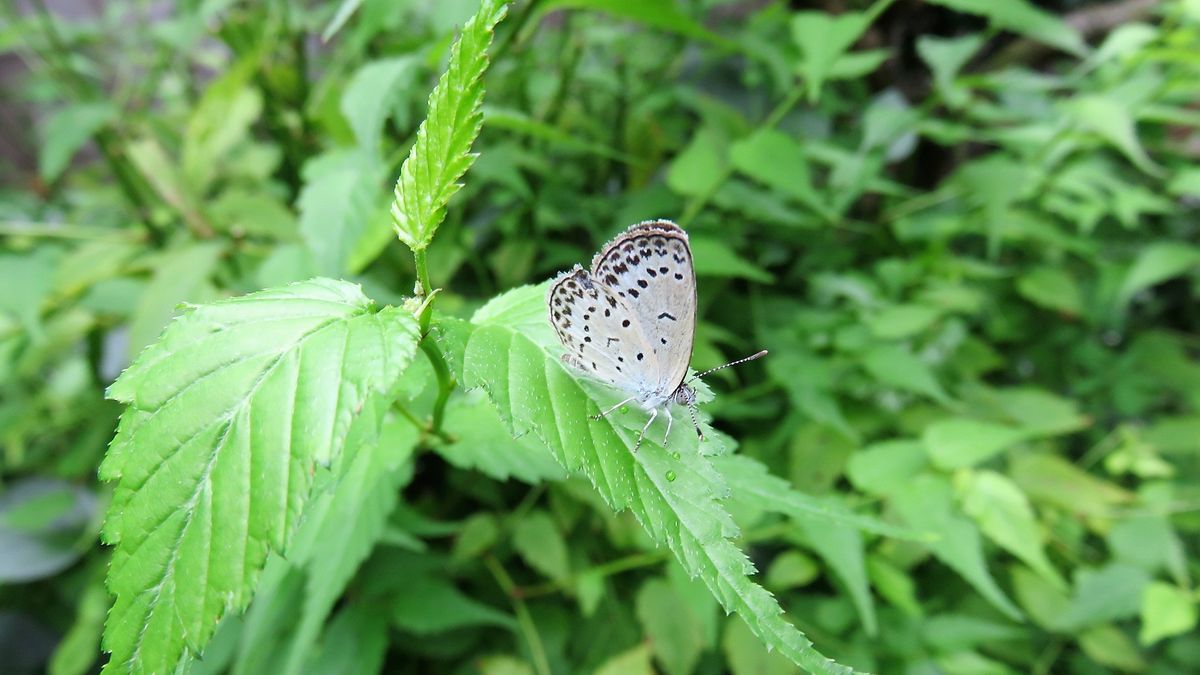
(630, 321)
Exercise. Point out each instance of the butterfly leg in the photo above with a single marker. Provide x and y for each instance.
(670, 420)
(609, 411)
(695, 422)
(653, 414)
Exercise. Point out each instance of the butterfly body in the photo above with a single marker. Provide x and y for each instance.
(631, 319)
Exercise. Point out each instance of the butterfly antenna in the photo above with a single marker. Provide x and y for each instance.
(752, 357)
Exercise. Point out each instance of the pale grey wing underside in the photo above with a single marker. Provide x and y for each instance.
(601, 332)
(649, 266)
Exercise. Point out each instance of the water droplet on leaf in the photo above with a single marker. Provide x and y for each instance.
(670, 475)
(676, 455)
(624, 409)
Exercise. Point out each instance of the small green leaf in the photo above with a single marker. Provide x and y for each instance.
(180, 275)
(370, 97)
(635, 661)
(1054, 480)
(1155, 264)
(1052, 288)
(926, 502)
(823, 38)
(958, 441)
(896, 366)
(431, 604)
(700, 167)
(229, 413)
(776, 160)
(714, 258)
(946, 57)
(1110, 646)
(1005, 516)
(661, 14)
(884, 467)
(1110, 119)
(752, 484)
(676, 637)
(901, 321)
(1108, 593)
(542, 546)
(341, 190)
(791, 569)
(442, 152)
(1167, 610)
(844, 554)
(1021, 16)
(220, 122)
(67, 130)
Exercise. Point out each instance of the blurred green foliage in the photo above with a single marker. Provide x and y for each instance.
(965, 230)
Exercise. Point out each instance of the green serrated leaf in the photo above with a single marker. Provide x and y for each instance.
(442, 152)
(515, 359)
(229, 412)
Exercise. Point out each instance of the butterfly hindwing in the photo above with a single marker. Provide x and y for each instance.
(649, 267)
(600, 332)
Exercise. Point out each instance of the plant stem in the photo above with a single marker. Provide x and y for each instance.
(528, 628)
(441, 369)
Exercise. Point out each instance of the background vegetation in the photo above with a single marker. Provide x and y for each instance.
(965, 230)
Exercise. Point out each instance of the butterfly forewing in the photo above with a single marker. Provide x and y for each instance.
(649, 267)
(600, 332)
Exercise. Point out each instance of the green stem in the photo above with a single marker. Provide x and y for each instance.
(441, 369)
(528, 628)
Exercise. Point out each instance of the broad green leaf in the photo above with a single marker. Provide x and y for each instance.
(442, 152)
(1110, 119)
(1052, 288)
(1021, 16)
(900, 321)
(752, 484)
(179, 276)
(1108, 593)
(66, 131)
(926, 502)
(228, 415)
(1150, 542)
(776, 160)
(541, 545)
(896, 366)
(957, 442)
(1155, 264)
(700, 167)
(340, 528)
(676, 636)
(514, 355)
(341, 191)
(894, 584)
(1005, 516)
(1167, 610)
(370, 97)
(823, 38)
